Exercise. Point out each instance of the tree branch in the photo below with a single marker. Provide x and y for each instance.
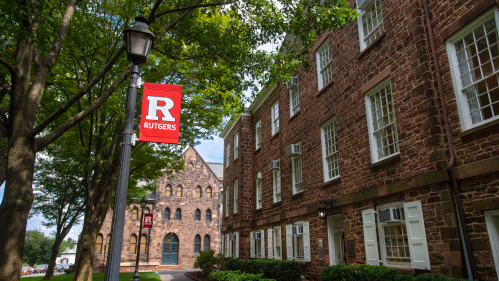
(47, 139)
(175, 21)
(194, 7)
(13, 71)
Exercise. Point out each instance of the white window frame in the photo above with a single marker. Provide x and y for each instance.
(227, 157)
(328, 67)
(276, 184)
(236, 145)
(372, 141)
(375, 30)
(277, 242)
(258, 134)
(235, 190)
(335, 239)
(462, 104)
(292, 243)
(255, 247)
(275, 117)
(227, 202)
(294, 96)
(492, 222)
(325, 164)
(259, 191)
(294, 173)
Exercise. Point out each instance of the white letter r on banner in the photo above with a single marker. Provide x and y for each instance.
(165, 109)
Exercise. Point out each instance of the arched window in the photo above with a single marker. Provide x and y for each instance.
(98, 245)
(168, 191)
(135, 213)
(208, 192)
(108, 241)
(198, 192)
(166, 214)
(197, 244)
(143, 244)
(147, 211)
(206, 246)
(197, 215)
(208, 215)
(133, 244)
(178, 214)
(179, 191)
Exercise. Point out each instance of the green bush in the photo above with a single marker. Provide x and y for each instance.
(208, 262)
(236, 276)
(273, 269)
(373, 273)
(68, 270)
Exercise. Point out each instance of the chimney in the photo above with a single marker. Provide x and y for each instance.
(67, 250)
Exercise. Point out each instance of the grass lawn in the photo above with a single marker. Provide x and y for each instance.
(144, 276)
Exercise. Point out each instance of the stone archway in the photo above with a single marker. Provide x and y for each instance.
(170, 249)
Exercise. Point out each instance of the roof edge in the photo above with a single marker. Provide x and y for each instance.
(228, 127)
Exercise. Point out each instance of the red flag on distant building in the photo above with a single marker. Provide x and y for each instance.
(148, 220)
(160, 116)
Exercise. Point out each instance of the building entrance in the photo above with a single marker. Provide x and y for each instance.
(170, 249)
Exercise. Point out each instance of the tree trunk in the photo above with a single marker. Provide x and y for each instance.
(49, 275)
(85, 258)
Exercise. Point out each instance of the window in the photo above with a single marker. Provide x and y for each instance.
(178, 214)
(259, 190)
(198, 192)
(197, 215)
(168, 191)
(297, 170)
(208, 192)
(197, 244)
(236, 146)
(208, 215)
(474, 63)
(227, 201)
(298, 241)
(275, 117)
(206, 244)
(277, 243)
(179, 191)
(98, 245)
(381, 122)
(492, 222)
(227, 155)
(135, 213)
(143, 244)
(294, 100)
(166, 214)
(234, 247)
(257, 244)
(133, 244)
(276, 175)
(330, 155)
(258, 134)
(402, 235)
(324, 66)
(108, 241)
(231, 243)
(235, 196)
(147, 211)
(370, 23)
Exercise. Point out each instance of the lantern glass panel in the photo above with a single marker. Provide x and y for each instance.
(138, 42)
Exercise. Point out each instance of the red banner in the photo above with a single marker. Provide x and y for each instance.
(160, 116)
(147, 220)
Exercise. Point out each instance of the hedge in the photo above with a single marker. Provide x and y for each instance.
(274, 269)
(236, 276)
(374, 273)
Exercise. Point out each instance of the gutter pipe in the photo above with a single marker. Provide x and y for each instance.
(468, 254)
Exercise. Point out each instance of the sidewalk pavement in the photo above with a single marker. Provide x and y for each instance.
(174, 275)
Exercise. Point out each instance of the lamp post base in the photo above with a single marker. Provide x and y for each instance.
(136, 276)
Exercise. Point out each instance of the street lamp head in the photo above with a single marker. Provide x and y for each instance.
(138, 40)
(322, 212)
(143, 202)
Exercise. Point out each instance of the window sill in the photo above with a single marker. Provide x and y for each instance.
(257, 150)
(388, 159)
(276, 203)
(369, 47)
(297, 194)
(331, 182)
(276, 134)
(479, 128)
(294, 115)
(324, 88)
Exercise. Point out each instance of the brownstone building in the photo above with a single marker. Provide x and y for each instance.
(186, 220)
(395, 130)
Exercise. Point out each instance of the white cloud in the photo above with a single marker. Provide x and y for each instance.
(211, 150)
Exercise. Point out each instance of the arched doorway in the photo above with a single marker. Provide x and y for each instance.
(170, 249)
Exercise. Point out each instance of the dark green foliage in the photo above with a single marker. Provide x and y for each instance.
(37, 247)
(208, 262)
(374, 273)
(68, 270)
(236, 276)
(274, 269)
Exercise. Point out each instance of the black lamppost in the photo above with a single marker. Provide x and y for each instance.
(139, 41)
(136, 274)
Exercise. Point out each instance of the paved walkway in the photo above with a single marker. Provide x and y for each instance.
(174, 275)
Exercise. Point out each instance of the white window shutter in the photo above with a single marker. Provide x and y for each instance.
(269, 246)
(289, 242)
(230, 246)
(370, 238)
(306, 241)
(252, 245)
(280, 243)
(416, 235)
(227, 242)
(223, 245)
(237, 245)
(262, 243)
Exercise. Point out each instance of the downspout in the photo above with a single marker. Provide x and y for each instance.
(468, 254)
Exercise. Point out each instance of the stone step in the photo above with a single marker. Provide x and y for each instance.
(169, 267)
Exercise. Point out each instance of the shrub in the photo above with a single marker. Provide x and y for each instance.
(274, 269)
(236, 276)
(68, 270)
(208, 262)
